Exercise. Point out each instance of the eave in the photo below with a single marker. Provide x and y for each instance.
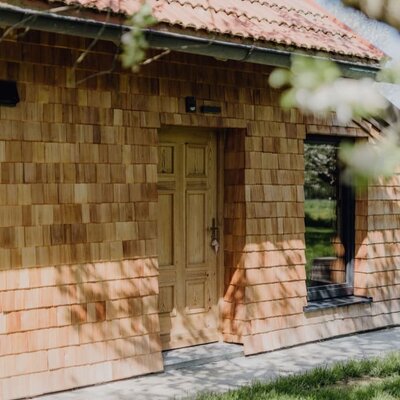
(94, 25)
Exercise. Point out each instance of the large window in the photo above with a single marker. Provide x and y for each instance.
(329, 221)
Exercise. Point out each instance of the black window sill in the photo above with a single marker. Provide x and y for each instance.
(318, 305)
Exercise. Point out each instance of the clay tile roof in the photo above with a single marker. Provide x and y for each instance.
(297, 23)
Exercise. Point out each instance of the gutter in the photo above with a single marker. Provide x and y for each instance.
(20, 17)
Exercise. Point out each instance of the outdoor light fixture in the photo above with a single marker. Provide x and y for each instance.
(8, 93)
(190, 102)
(191, 106)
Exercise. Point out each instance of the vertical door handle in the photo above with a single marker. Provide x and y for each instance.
(214, 236)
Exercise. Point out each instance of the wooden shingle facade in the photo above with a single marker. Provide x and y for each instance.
(106, 187)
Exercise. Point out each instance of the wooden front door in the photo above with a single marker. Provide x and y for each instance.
(187, 205)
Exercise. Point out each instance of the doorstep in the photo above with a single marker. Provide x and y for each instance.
(200, 354)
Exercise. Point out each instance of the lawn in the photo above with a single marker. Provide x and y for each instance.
(319, 218)
(375, 379)
(320, 211)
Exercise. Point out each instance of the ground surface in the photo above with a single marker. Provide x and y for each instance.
(233, 373)
(368, 379)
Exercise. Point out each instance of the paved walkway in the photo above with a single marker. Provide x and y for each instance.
(231, 373)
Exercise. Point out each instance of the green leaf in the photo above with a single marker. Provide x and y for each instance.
(279, 78)
(133, 41)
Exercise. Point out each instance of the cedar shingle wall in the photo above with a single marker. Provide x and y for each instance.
(78, 275)
(234, 309)
(274, 252)
(276, 324)
(379, 277)
(78, 204)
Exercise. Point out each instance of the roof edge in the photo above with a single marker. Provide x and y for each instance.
(13, 15)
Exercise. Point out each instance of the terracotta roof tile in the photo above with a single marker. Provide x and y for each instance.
(298, 23)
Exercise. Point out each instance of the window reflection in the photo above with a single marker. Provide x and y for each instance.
(324, 249)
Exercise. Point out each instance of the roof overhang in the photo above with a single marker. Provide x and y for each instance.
(92, 27)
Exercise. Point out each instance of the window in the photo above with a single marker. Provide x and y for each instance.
(329, 221)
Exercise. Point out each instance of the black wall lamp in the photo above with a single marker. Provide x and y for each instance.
(190, 103)
(191, 107)
(8, 93)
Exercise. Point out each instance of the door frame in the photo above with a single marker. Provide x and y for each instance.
(220, 152)
(220, 216)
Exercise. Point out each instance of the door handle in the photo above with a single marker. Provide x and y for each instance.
(214, 236)
(214, 230)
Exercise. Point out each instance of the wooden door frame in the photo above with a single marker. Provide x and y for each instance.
(220, 154)
(220, 215)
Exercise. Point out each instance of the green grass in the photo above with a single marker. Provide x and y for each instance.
(318, 244)
(375, 379)
(319, 217)
(320, 210)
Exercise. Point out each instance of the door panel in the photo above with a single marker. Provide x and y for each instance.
(196, 228)
(196, 160)
(166, 229)
(188, 263)
(196, 296)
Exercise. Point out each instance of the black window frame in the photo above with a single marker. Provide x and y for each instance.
(347, 220)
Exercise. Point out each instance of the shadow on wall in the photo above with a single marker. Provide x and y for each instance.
(112, 309)
(379, 274)
(266, 285)
(113, 318)
(271, 278)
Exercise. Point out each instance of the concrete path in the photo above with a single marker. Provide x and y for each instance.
(231, 373)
